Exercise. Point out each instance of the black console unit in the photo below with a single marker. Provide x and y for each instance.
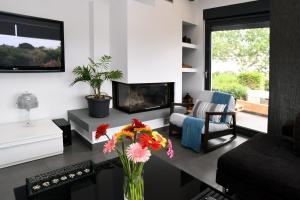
(65, 126)
(58, 178)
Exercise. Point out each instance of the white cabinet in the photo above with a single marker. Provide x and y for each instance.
(19, 143)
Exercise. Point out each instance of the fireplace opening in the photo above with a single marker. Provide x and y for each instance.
(133, 98)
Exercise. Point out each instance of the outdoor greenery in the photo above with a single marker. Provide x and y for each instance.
(252, 80)
(238, 83)
(95, 73)
(27, 55)
(248, 47)
(228, 82)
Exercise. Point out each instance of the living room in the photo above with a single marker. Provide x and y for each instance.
(101, 96)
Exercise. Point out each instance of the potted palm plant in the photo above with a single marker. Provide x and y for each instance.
(95, 74)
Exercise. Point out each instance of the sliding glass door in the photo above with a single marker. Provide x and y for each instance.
(238, 64)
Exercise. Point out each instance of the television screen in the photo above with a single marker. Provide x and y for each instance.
(30, 44)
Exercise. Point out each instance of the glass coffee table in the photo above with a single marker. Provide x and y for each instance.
(162, 181)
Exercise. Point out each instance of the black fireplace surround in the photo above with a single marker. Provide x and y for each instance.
(133, 98)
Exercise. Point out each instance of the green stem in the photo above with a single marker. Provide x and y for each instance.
(107, 136)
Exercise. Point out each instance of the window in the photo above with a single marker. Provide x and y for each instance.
(237, 62)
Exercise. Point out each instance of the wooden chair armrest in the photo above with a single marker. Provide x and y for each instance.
(220, 113)
(208, 114)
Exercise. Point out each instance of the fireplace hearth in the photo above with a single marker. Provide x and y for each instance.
(133, 98)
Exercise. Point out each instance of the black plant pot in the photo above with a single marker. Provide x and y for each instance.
(98, 108)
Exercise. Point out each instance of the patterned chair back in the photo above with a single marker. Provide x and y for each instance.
(206, 96)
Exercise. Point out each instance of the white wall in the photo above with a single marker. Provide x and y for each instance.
(118, 36)
(155, 48)
(153, 40)
(53, 89)
(194, 82)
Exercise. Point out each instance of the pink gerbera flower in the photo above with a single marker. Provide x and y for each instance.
(136, 153)
(109, 146)
(170, 151)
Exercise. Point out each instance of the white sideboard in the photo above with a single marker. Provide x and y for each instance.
(20, 143)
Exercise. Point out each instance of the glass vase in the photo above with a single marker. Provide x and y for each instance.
(133, 187)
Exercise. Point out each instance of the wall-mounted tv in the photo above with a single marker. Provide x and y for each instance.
(31, 44)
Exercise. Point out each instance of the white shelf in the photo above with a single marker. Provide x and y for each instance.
(186, 23)
(189, 46)
(189, 70)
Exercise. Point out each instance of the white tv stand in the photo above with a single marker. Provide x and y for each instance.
(20, 143)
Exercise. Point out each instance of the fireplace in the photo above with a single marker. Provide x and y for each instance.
(133, 98)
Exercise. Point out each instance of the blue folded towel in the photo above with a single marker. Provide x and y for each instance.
(191, 133)
(221, 98)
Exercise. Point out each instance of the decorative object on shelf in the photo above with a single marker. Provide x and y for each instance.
(186, 39)
(186, 66)
(95, 74)
(188, 99)
(136, 141)
(46, 181)
(27, 101)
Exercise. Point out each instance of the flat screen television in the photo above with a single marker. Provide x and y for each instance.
(31, 44)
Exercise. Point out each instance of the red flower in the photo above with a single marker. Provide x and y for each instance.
(101, 130)
(148, 141)
(137, 123)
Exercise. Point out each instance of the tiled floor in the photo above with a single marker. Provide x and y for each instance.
(251, 121)
(200, 165)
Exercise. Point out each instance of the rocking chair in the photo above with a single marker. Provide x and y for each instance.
(211, 130)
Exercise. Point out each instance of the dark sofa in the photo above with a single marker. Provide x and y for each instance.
(263, 168)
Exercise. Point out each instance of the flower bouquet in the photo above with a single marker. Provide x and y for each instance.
(134, 144)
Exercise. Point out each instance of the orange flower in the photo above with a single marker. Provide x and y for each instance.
(128, 127)
(118, 136)
(137, 126)
(145, 129)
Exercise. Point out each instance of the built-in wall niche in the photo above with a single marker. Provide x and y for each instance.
(191, 57)
(189, 46)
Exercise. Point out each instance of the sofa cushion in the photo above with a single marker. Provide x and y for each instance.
(264, 162)
(177, 119)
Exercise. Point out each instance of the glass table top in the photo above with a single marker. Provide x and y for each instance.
(161, 180)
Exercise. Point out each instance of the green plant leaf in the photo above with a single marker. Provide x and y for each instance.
(95, 73)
